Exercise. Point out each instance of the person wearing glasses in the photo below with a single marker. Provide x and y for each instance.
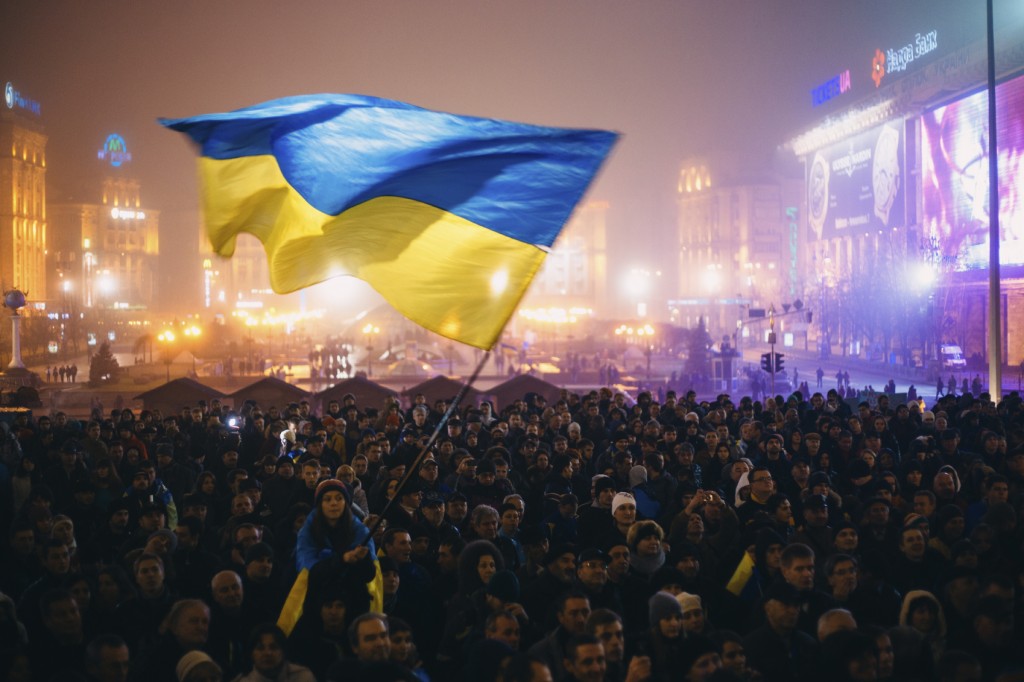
(762, 487)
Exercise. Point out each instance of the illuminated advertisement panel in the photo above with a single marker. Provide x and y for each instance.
(857, 185)
(954, 178)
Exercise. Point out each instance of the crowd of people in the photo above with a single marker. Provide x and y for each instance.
(592, 539)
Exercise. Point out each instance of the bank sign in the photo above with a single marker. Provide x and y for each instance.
(115, 151)
(898, 59)
(15, 100)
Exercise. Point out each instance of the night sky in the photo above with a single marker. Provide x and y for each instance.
(677, 78)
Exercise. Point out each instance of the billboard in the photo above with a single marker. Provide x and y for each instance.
(857, 185)
(954, 178)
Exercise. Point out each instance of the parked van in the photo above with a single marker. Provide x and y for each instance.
(952, 357)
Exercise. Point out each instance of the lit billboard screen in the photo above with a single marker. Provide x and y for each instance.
(857, 185)
(954, 178)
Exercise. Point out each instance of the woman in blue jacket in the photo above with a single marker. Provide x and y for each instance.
(332, 531)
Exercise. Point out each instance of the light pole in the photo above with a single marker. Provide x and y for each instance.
(370, 330)
(167, 338)
(771, 340)
(646, 334)
(193, 333)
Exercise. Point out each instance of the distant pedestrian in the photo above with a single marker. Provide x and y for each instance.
(820, 374)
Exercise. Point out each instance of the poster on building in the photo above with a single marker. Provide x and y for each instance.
(955, 179)
(857, 185)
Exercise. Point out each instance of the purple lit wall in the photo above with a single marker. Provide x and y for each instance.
(954, 178)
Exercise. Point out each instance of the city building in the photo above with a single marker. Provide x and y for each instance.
(23, 214)
(738, 225)
(894, 231)
(572, 287)
(103, 252)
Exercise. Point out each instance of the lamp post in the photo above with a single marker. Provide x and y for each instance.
(193, 333)
(646, 334)
(167, 338)
(771, 340)
(370, 330)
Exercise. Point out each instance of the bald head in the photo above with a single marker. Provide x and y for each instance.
(226, 588)
(835, 620)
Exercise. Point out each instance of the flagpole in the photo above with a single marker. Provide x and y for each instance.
(413, 470)
(995, 326)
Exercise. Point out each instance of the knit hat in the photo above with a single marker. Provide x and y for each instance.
(621, 499)
(602, 482)
(331, 484)
(913, 520)
(695, 646)
(191, 661)
(172, 539)
(260, 550)
(946, 514)
(637, 475)
(689, 602)
(818, 478)
(504, 585)
(662, 605)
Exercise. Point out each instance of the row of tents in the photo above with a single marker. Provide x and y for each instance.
(268, 391)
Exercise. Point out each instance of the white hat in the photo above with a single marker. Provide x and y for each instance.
(621, 499)
(689, 602)
(191, 661)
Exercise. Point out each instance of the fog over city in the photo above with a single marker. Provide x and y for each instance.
(677, 79)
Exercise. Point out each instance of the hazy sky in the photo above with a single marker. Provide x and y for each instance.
(675, 77)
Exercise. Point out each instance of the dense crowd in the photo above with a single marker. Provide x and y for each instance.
(590, 539)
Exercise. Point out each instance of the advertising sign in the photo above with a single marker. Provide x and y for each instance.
(954, 178)
(115, 151)
(857, 185)
(15, 100)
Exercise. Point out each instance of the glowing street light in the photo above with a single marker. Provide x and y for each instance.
(167, 339)
(193, 333)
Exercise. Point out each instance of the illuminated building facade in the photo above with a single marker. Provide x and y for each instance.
(572, 286)
(105, 254)
(239, 282)
(738, 249)
(895, 228)
(23, 215)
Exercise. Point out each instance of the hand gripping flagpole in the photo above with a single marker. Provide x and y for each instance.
(414, 469)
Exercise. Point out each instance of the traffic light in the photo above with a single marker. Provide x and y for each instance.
(778, 361)
(766, 362)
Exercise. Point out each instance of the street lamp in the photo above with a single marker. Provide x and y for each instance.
(646, 334)
(193, 333)
(167, 338)
(370, 330)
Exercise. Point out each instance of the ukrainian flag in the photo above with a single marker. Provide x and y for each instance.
(448, 217)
